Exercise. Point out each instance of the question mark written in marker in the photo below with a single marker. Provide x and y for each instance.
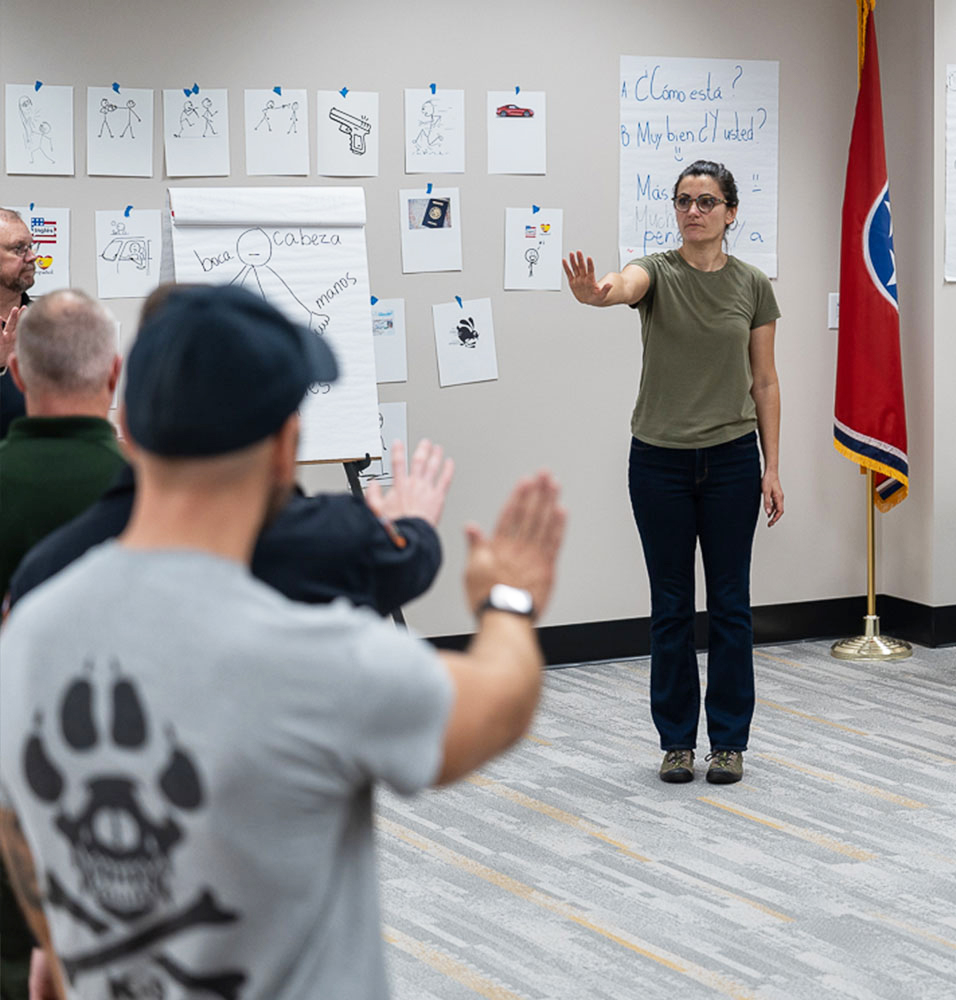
(740, 73)
(764, 122)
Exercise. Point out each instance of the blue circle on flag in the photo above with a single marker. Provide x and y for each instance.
(878, 246)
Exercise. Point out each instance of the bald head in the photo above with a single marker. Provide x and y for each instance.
(66, 347)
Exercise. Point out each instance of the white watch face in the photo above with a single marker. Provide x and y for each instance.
(505, 598)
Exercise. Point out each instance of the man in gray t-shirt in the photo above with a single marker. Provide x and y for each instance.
(195, 774)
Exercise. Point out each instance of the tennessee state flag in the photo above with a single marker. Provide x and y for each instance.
(869, 425)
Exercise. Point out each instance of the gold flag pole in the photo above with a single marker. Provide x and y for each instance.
(871, 645)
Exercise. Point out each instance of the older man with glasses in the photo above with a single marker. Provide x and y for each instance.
(17, 267)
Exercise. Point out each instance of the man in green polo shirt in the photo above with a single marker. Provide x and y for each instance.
(54, 463)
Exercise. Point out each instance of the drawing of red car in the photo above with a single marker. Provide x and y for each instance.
(513, 111)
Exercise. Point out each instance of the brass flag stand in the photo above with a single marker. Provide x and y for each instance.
(871, 645)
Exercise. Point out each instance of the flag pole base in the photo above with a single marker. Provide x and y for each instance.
(871, 645)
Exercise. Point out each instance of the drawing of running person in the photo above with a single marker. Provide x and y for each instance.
(130, 115)
(270, 106)
(106, 108)
(430, 134)
(188, 118)
(208, 114)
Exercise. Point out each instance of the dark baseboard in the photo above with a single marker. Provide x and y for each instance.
(842, 617)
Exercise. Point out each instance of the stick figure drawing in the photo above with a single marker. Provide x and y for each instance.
(254, 250)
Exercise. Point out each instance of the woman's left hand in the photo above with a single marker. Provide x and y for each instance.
(772, 497)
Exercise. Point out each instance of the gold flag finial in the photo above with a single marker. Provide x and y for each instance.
(863, 7)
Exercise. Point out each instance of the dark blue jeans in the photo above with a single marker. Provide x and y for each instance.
(679, 496)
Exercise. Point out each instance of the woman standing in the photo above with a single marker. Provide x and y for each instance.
(708, 387)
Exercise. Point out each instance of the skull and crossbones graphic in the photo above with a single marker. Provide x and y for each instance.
(122, 854)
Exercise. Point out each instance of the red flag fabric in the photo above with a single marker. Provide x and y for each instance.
(869, 425)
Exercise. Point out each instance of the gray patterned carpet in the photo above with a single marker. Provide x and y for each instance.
(566, 869)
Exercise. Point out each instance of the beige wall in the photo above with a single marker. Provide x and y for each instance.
(568, 375)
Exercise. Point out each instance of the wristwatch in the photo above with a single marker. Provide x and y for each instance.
(514, 600)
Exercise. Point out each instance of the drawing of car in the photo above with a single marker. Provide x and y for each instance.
(127, 248)
(513, 111)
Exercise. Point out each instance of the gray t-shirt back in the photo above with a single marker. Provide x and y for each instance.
(192, 758)
(695, 328)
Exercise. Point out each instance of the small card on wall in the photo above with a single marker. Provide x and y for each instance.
(196, 132)
(465, 342)
(127, 252)
(388, 339)
(533, 248)
(119, 132)
(50, 229)
(39, 129)
(392, 426)
(430, 223)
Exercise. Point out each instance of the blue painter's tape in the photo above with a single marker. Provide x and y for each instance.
(31, 206)
(344, 91)
(535, 209)
(129, 208)
(187, 91)
(116, 87)
(277, 90)
(517, 90)
(195, 88)
(428, 190)
(374, 300)
(458, 300)
(433, 88)
(38, 85)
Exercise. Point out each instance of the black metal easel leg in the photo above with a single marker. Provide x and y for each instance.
(352, 470)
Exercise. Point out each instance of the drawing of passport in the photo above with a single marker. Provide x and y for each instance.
(435, 213)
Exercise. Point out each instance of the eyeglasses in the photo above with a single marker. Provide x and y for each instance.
(705, 203)
(21, 249)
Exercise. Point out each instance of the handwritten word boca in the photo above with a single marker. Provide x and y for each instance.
(647, 87)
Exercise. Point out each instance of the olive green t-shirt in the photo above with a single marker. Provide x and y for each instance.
(695, 327)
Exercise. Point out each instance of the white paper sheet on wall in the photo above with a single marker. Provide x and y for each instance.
(949, 265)
(196, 132)
(302, 249)
(465, 342)
(347, 133)
(119, 132)
(50, 228)
(517, 132)
(388, 339)
(393, 425)
(533, 244)
(430, 223)
(39, 129)
(434, 131)
(128, 247)
(277, 132)
(675, 111)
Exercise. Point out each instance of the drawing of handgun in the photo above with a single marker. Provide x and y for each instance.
(356, 128)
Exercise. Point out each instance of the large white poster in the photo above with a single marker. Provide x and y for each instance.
(949, 266)
(675, 111)
(303, 249)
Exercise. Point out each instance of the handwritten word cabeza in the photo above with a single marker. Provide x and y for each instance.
(647, 87)
(289, 238)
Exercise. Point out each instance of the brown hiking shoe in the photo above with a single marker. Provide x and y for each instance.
(677, 766)
(726, 767)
